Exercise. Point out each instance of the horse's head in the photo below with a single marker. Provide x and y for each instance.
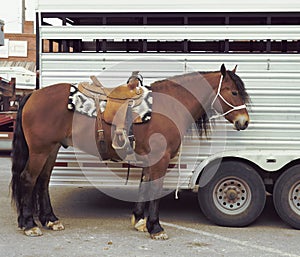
(232, 98)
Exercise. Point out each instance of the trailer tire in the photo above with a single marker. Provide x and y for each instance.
(286, 196)
(234, 197)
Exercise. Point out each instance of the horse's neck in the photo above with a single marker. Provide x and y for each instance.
(195, 91)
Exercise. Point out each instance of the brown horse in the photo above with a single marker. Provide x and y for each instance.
(44, 124)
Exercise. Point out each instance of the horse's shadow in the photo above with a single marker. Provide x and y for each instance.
(92, 202)
(89, 202)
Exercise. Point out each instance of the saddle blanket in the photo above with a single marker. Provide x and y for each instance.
(85, 105)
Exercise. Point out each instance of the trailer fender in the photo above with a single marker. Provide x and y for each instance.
(267, 160)
(202, 171)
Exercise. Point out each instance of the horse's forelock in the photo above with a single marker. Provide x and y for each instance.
(240, 86)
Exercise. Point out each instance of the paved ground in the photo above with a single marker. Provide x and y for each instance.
(97, 225)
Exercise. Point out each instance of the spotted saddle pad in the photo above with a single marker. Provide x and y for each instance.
(85, 105)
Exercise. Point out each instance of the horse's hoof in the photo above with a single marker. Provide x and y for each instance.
(55, 225)
(140, 225)
(160, 236)
(35, 231)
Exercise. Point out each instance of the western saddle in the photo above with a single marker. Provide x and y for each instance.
(118, 112)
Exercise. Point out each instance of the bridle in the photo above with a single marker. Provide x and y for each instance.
(233, 108)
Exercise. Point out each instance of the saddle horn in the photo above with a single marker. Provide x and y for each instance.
(134, 80)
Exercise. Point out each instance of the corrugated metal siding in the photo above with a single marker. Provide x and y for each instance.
(167, 6)
(272, 80)
(173, 32)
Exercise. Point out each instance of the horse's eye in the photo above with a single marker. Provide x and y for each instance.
(235, 93)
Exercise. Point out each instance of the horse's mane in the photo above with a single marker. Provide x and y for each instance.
(203, 123)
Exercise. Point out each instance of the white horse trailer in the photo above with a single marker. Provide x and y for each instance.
(231, 170)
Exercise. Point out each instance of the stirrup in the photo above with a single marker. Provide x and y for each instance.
(120, 135)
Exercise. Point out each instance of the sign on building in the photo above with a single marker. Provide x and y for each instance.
(13, 48)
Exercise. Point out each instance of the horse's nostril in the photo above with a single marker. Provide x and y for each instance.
(237, 125)
(246, 124)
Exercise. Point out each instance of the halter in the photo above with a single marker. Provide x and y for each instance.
(234, 108)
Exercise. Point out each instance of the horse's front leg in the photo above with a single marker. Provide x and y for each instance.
(138, 219)
(156, 173)
(153, 226)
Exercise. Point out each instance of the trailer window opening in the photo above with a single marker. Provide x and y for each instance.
(197, 18)
(183, 46)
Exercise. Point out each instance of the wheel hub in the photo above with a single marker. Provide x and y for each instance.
(295, 197)
(232, 195)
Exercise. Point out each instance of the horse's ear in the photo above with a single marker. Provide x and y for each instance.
(223, 70)
(235, 68)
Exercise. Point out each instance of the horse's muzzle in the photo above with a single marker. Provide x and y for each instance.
(241, 123)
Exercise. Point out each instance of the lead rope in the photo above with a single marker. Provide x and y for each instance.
(179, 173)
(234, 108)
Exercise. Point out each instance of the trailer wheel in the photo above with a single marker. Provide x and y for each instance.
(235, 196)
(286, 196)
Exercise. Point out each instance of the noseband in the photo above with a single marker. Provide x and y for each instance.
(233, 108)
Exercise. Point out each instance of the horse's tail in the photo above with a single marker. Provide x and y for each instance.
(19, 154)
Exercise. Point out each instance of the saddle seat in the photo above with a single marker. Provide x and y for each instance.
(118, 111)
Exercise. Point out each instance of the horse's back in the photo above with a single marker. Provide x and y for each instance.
(56, 91)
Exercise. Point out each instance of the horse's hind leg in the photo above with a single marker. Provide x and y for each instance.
(41, 195)
(29, 178)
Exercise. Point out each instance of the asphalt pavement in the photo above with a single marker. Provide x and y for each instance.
(98, 225)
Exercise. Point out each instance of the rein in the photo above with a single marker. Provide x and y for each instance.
(234, 108)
